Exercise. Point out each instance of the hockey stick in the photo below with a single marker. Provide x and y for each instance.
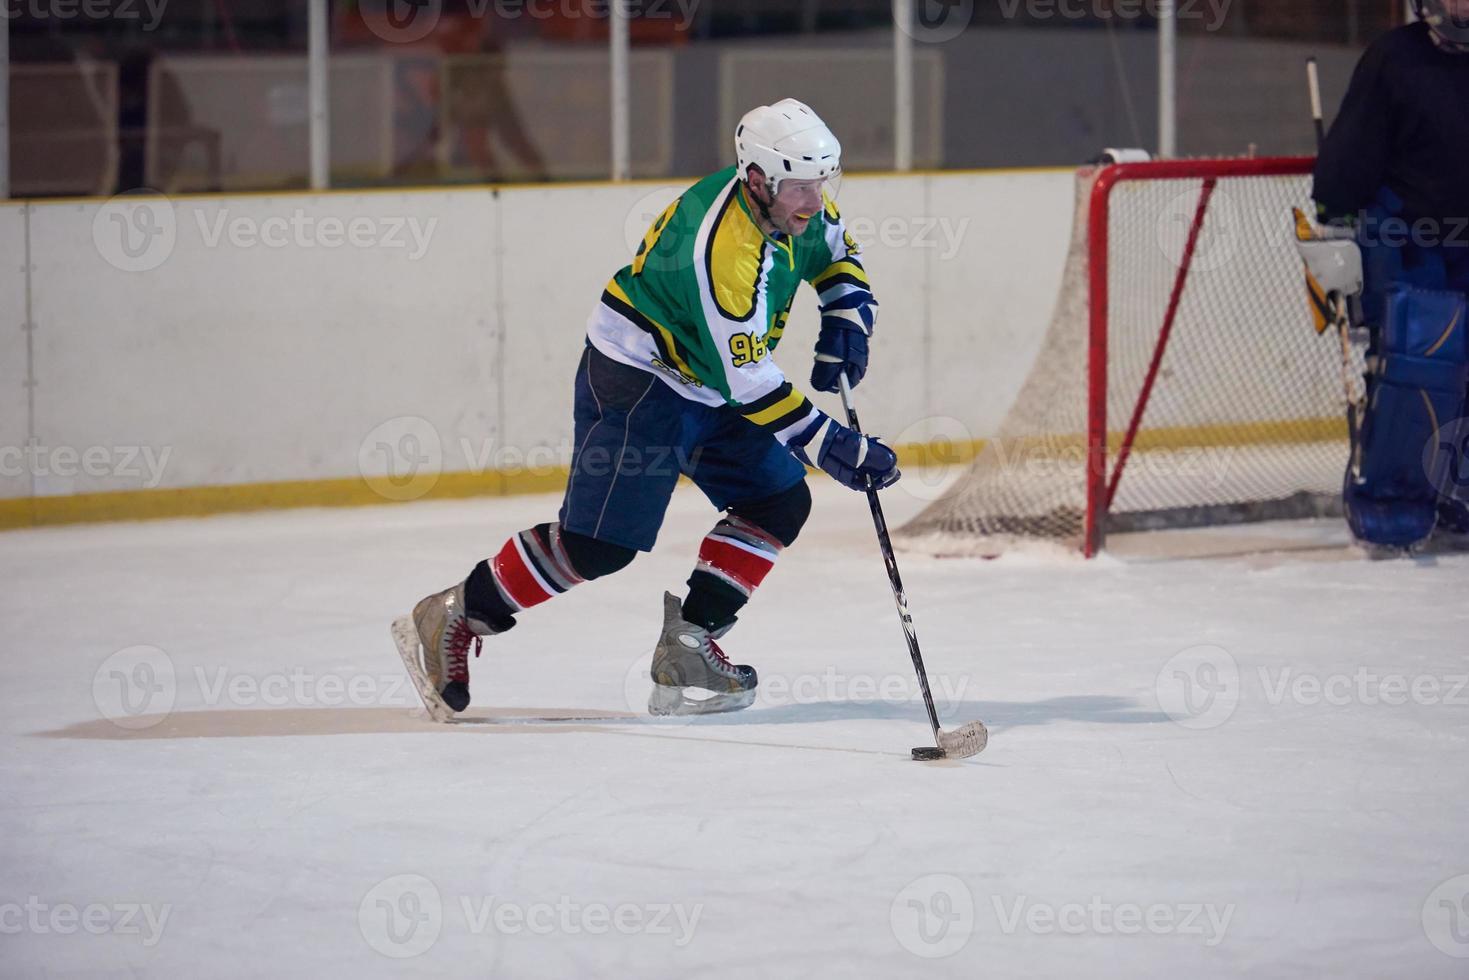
(966, 740)
(1340, 314)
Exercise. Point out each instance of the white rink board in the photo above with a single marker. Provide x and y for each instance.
(247, 362)
(15, 479)
(254, 363)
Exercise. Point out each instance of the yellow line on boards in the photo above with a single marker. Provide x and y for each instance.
(136, 505)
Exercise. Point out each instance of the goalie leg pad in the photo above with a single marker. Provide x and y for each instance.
(1416, 383)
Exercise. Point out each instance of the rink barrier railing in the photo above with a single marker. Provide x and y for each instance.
(185, 502)
(261, 369)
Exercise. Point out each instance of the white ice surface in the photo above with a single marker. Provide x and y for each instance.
(270, 811)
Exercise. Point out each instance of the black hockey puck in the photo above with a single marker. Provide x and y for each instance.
(927, 753)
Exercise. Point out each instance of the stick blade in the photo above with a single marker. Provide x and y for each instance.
(964, 741)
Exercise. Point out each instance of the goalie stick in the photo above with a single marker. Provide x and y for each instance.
(966, 740)
(1338, 313)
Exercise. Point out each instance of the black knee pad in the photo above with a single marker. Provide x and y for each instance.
(781, 515)
(591, 558)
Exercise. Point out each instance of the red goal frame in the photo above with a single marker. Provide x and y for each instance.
(1101, 486)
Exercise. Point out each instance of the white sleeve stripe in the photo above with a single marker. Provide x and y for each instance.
(813, 446)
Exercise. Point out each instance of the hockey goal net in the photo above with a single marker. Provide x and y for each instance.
(1181, 382)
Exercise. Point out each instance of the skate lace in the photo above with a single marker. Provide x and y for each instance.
(719, 656)
(458, 648)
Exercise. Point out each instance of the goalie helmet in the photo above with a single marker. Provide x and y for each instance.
(1449, 19)
(786, 140)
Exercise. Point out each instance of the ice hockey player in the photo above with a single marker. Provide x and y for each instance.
(1392, 171)
(676, 377)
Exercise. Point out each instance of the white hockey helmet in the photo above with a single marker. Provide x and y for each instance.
(1447, 19)
(786, 140)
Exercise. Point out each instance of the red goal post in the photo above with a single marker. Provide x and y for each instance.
(1183, 317)
(1101, 488)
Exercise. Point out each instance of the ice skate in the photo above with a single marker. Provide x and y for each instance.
(688, 657)
(434, 644)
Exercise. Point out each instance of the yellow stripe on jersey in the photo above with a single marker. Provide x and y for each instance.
(785, 406)
(844, 267)
(733, 257)
(668, 345)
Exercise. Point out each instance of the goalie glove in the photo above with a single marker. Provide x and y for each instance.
(850, 457)
(1333, 270)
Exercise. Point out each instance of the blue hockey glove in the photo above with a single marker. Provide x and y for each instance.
(851, 459)
(842, 345)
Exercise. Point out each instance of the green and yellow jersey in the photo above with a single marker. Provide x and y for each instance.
(706, 297)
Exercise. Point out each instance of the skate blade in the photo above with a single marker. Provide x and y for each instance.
(673, 702)
(405, 638)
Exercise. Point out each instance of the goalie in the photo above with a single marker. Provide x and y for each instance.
(1389, 181)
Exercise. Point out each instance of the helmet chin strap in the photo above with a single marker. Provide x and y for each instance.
(764, 208)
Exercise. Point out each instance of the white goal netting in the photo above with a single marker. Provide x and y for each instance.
(1245, 419)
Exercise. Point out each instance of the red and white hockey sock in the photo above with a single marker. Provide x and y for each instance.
(533, 567)
(734, 559)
